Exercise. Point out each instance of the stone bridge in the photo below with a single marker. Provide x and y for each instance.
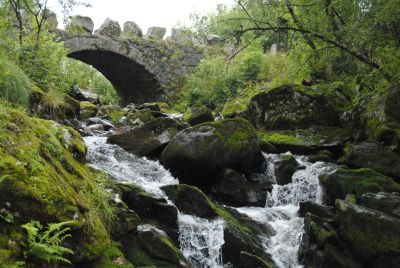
(140, 69)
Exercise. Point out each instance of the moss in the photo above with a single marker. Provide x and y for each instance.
(279, 138)
(116, 115)
(42, 180)
(342, 182)
(112, 257)
(234, 107)
(86, 105)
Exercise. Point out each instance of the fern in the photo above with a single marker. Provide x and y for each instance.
(45, 243)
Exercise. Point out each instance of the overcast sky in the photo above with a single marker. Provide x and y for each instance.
(146, 13)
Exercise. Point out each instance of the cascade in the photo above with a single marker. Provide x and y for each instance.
(200, 239)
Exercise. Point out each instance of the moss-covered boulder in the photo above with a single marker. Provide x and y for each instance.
(196, 155)
(149, 139)
(290, 107)
(151, 209)
(151, 247)
(307, 141)
(198, 114)
(371, 233)
(87, 110)
(374, 156)
(43, 178)
(234, 189)
(342, 182)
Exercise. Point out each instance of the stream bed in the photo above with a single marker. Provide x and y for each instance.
(201, 240)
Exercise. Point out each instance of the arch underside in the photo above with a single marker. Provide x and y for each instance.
(131, 80)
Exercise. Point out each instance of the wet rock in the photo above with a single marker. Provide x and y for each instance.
(151, 209)
(95, 121)
(371, 155)
(190, 200)
(290, 107)
(198, 115)
(149, 139)
(285, 167)
(84, 95)
(150, 106)
(316, 209)
(385, 202)
(370, 232)
(94, 127)
(198, 154)
(341, 182)
(151, 247)
(131, 29)
(234, 189)
(156, 33)
(81, 23)
(248, 260)
(109, 28)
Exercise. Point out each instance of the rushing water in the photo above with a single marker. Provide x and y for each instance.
(282, 207)
(200, 239)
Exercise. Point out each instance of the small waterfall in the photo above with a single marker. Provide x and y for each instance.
(283, 205)
(127, 168)
(200, 239)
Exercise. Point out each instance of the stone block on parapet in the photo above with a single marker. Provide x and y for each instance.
(156, 33)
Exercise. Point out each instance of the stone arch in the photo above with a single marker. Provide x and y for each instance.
(132, 70)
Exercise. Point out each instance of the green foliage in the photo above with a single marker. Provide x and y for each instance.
(46, 243)
(85, 76)
(14, 84)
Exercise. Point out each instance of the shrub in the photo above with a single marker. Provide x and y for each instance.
(14, 84)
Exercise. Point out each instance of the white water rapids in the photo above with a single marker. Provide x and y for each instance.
(201, 240)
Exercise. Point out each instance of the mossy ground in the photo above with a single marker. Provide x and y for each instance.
(42, 177)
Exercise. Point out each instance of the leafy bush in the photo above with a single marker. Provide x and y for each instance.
(14, 84)
(45, 243)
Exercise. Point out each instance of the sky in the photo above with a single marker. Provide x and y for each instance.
(146, 13)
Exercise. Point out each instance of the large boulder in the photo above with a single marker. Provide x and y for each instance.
(156, 33)
(342, 182)
(236, 190)
(149, 139)
(290, 107)
(81, 23)
(374, 156)
(131, 29)
(372, 234)
(109, 28)
(197, 154)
